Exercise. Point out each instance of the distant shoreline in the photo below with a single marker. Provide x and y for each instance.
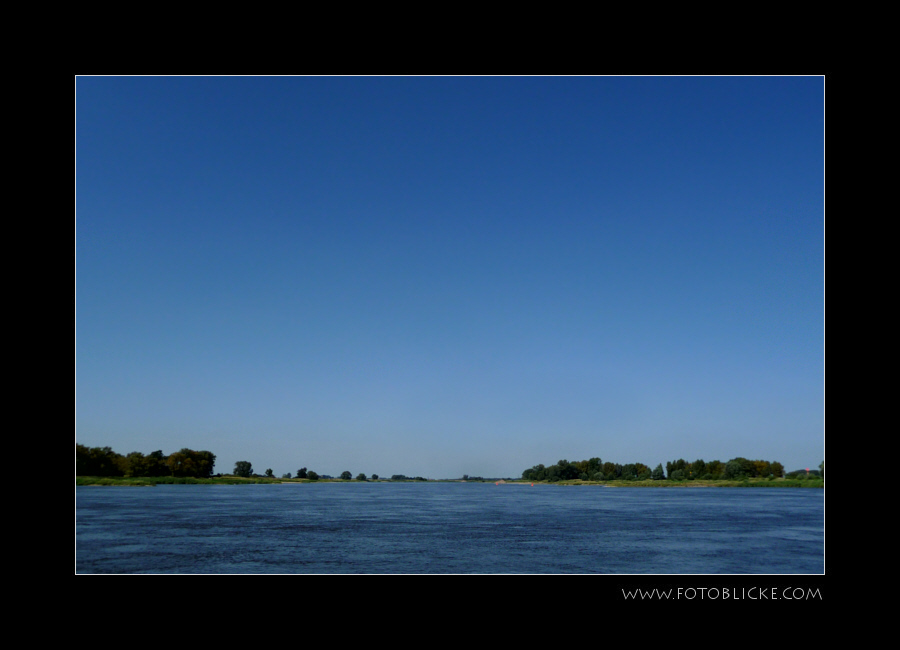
(85, 481)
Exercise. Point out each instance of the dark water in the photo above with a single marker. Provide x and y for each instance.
(448, 528)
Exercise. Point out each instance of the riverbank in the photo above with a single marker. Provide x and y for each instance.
(749, 483)
(237, 480)
(170, 480)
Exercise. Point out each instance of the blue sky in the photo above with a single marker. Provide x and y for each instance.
(444, 275)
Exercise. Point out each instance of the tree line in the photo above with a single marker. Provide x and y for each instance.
(594, 469)
(245, 468)
(103, 461)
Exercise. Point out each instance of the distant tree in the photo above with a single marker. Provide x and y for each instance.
(679, 464)
(269, 473)
(739, 468)
(374, 477)
(301, 473)
(658, 474)
(715, 468)
(567, 471)
(599, 476)
(346, 476)
(288, 475)
(312, 476)
(136, 464)
(822, 468)
(156, 464)
(361, 477)
(243, 468)
(536, 473)
(187, 462)
(98, 461)
(698, 468)
(759, 468)
(733, 470)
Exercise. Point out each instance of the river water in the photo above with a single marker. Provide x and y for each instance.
(448, 528)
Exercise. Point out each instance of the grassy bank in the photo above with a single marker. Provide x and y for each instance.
(237, 480)
(172, 480)
(749, 483)
(217, 480)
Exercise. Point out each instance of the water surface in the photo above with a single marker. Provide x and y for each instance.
(448, 528)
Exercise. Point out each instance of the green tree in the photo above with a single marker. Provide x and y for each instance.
(346, 476)
(98, 461)
(156, 464)
(312, 476)
(136, 464)
(698, 468)
(269, 473)
(243, 468)
(301, 473)
(679, 464)
(567, 471)
(374, 477)
(536, 473)
(715, 468)
(187, 462)
(361, 477)
(737, 469)
(658, 474)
